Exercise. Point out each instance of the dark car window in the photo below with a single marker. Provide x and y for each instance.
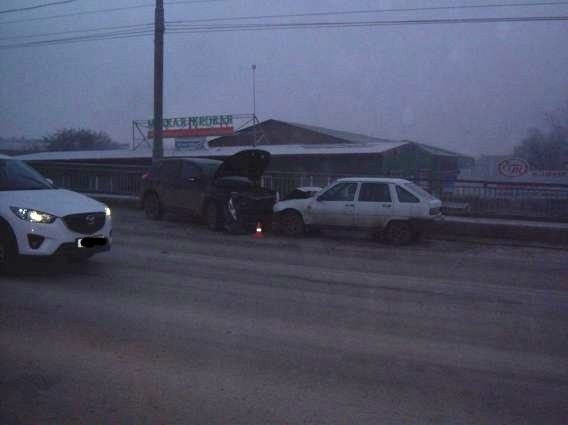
(17, 175)
(405, 196)
(190, 171)
(374, 192)
(340, 192)
(169, 171)
(209, 169)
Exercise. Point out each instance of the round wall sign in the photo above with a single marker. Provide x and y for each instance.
(513, 167)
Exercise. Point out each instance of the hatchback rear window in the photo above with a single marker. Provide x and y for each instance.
(405, 196)
(419, 191)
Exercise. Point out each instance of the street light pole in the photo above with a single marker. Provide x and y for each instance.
(253, 105)
(159, 27)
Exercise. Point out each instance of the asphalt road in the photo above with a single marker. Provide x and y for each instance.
(178, 325)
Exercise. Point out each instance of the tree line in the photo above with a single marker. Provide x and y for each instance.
(67, 139)
(543, 149)
(547, 149)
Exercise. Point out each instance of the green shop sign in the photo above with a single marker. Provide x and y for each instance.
(208, 125)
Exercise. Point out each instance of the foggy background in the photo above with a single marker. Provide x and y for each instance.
(472, 88)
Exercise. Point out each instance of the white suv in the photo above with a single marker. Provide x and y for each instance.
(397, 209)
(37, 219)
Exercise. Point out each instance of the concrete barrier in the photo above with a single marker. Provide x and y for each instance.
(489, 228)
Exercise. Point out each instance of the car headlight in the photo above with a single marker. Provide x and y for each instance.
(33, 216)
(107, 211)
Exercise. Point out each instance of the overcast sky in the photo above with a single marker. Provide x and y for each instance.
(472, 88)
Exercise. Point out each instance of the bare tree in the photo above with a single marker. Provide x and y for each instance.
(547, 150)
(79, 139)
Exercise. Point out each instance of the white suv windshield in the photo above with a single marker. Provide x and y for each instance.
(17, 175)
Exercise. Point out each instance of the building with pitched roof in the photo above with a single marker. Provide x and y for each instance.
(296, 149)
(310, 149)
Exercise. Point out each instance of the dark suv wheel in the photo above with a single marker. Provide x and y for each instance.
(152, 206)
(213, 216)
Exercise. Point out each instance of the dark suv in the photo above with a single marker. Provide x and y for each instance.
(227, 194)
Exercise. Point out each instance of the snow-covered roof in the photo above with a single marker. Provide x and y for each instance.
(276, 150)
(79, 155)
(280, 150)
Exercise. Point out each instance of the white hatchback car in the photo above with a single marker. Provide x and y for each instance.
(37, 219)
(396, 209)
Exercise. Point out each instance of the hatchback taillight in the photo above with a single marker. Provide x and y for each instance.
(146, 175)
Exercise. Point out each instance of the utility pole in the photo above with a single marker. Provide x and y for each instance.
(159, 27)
(253, 106)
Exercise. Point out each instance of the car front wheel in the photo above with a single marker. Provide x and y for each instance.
(399, 233)
(291, 223)
(8, 254)
(152, 206)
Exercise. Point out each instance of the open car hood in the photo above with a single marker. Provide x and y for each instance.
(249, 163)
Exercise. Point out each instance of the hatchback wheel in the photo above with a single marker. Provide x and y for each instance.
(291, 223)
(399, 233)
(152, 206)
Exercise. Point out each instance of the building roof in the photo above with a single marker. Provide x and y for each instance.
(338, 149)
(434, 150)
(339, 134)
(275, 150)
(80, 155)
(276, 132)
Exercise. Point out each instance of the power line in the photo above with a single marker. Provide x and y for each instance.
(350, 12)
(80, 39)
(116, 9)
(279, 26)
(19, 37)
(191, 29)
(416, 9)
(39, 6)
(372, 11)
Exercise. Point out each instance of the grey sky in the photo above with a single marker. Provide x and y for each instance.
(473, 88)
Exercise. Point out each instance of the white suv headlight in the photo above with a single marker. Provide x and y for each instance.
(107, 211)
(33, 216)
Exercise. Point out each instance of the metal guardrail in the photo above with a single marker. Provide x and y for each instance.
(109, 179)
(530, 200)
